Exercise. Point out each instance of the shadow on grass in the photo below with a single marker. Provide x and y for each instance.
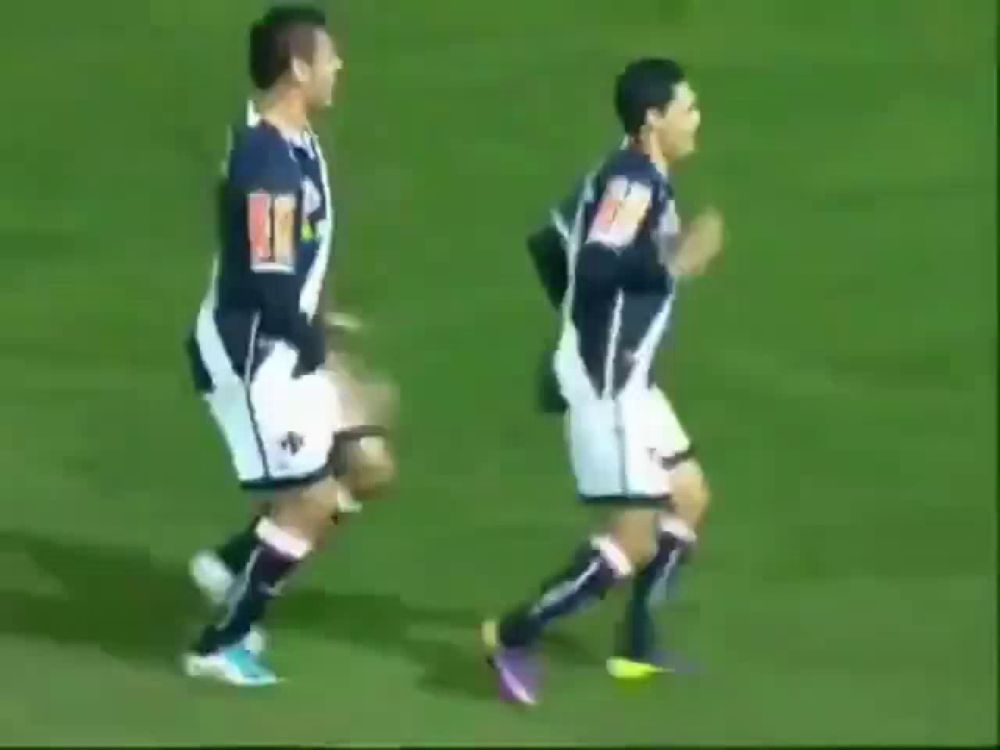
(141, 610)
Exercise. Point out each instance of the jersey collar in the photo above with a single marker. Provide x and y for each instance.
(303, 139)
(664, 172)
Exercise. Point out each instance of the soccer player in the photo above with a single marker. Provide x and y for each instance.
(610, 259)
(258, 346)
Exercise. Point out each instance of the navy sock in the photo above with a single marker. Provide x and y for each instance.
(589, 577)
(270, 564)
(236, 551)
(637, 633)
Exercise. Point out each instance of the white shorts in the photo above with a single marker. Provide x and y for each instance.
(280, 429)
(622, 449)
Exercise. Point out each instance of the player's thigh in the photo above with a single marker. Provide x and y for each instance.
(688, 486)
(689, 491)
(610, 454)
(362, 455)
(648, 474)
(365, 463)
(232, 413)
(665, 433)
(295, 419)
(593, 450)
(279, 430)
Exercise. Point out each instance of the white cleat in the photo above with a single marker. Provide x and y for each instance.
(234, 666)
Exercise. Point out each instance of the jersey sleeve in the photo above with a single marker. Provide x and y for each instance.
(619, 250)
(265, 180)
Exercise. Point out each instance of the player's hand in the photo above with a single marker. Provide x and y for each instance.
(339, 327)
(699, 245)
(346, 502)
(341, 322)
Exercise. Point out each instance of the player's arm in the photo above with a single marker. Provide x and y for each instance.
(548, 254)
(619, 252)
(697, 247)
(268, 182)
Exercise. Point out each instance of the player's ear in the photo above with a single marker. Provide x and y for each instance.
(300, 71)
(653, 118)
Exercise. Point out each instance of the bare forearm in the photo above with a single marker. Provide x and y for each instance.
(691, 254)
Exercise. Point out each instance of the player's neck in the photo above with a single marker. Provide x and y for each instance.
(285, 110)
(648, 146)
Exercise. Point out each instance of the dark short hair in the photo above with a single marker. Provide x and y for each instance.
(285, 33)
(644, 85)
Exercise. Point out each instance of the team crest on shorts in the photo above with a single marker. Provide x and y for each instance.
(292, 443)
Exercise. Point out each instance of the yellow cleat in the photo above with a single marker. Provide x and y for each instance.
(490, 634)
(626, 669)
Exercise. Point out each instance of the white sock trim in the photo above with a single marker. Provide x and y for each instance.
(613, 555)
(565, 589)
(285, 542)
(658, 591)
(677, 528)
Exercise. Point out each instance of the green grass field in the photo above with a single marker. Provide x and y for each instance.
(838, 372)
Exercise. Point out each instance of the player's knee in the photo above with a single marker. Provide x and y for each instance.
(641, 549)
(370, 467)
(690, 495)
(634, 532)
(308, 510)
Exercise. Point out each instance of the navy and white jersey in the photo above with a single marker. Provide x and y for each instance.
(608, 277)
(275, 227)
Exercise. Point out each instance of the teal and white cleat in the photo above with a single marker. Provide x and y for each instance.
(234, 665)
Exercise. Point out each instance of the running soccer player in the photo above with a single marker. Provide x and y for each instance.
(610, 260)
(258, 347)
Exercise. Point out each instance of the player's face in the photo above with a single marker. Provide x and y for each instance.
(677, 129)
(320, 77)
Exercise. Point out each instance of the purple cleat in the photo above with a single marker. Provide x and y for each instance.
(516, 669)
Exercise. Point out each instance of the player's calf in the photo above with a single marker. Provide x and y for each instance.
(627, 542)
(636, 649)
(605, 560)
(637, 634)
(282, 541)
